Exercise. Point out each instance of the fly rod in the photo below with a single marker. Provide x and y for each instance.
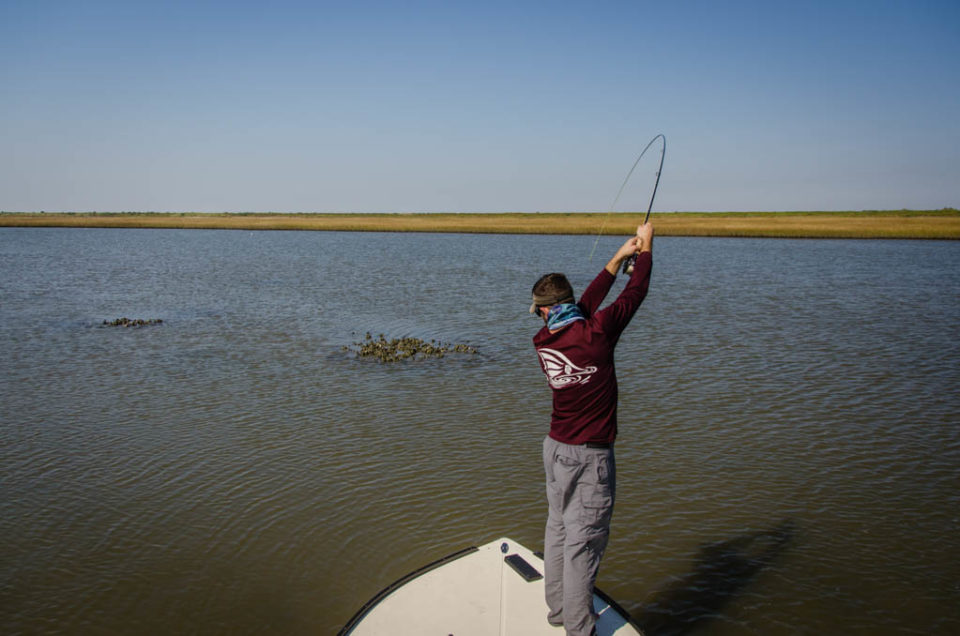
(628, 264)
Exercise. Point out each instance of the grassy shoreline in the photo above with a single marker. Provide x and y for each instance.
(903, 224)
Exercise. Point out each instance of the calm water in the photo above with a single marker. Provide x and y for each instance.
(789, 455)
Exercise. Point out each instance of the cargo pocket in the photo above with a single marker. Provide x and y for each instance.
(597, 506)
(596, 496)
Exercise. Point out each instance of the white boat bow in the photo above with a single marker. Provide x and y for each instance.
(493, 590)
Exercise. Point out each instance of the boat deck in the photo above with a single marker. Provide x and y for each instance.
(496, 589)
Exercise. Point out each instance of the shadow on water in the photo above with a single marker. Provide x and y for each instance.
(720, 572)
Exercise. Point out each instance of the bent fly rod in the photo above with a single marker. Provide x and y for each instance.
(628, 264)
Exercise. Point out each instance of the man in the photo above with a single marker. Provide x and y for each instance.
(575, 348)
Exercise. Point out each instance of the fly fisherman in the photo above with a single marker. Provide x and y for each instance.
(575, 348)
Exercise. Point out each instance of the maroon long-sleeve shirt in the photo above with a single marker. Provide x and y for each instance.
(578, 359)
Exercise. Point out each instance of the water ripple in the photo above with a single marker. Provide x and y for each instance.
(788, 447)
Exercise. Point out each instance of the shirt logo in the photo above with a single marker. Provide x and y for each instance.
(561, 372)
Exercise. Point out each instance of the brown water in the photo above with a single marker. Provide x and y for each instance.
(788, 462)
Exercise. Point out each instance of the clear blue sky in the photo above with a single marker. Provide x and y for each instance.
(481, 106)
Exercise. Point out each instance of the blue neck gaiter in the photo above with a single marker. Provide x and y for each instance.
(562, 315)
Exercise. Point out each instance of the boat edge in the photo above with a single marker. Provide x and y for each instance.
(606, 598)
(385, 592)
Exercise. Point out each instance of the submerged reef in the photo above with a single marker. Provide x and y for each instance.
(399, 349)
(132, 322)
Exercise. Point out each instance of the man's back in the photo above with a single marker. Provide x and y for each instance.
(578, 359)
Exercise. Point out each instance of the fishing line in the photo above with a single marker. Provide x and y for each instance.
(663, 152)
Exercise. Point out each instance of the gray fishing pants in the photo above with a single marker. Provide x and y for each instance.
(581, 485)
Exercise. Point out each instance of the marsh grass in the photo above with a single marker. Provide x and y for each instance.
(912, 224)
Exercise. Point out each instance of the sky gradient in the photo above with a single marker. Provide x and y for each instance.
(477, 107)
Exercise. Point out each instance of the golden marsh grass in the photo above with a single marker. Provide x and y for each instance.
(912, 224)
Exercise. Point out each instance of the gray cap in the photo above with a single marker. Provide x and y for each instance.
(547, 301)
